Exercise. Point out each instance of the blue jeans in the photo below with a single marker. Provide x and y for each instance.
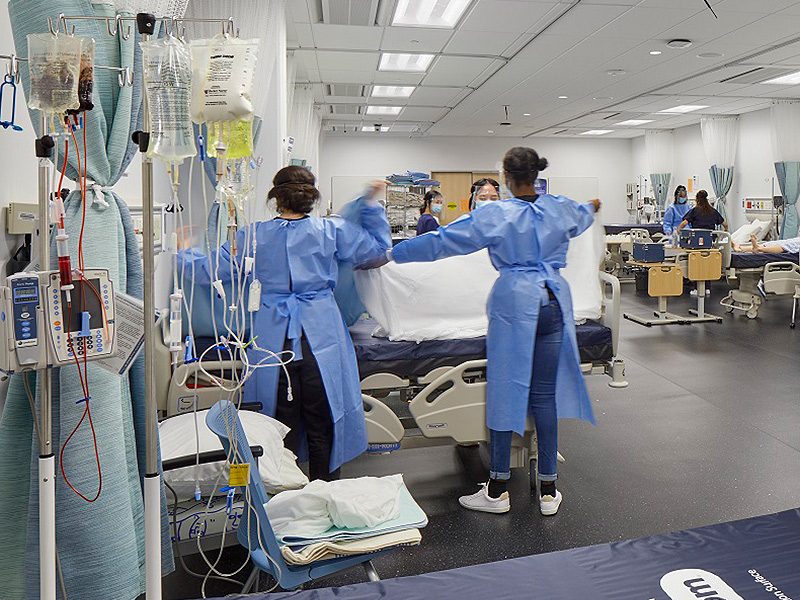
(541, 403)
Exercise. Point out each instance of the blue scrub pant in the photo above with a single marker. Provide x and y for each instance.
(542, 401)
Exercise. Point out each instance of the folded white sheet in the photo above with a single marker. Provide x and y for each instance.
(347, 504)
(332, 549)
(277, 467)
(447, 299)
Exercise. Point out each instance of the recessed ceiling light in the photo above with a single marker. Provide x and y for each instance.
(655, 52)
(526, 114)
(412, 63)
(563, 97)
(490, 131)
(598, 132)
(372, 129)
(602, 98)
(616, 72)
(392, 91)
(635, 122)
(684, 108)
(710, 55)
(429, 13)
(384, 110)
(790, 79)
(679, 44)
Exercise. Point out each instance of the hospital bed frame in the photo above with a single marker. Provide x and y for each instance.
(779, 279)
(446, 403)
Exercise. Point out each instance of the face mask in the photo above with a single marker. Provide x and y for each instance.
(681, 200)
(480, 203)
(436, 208)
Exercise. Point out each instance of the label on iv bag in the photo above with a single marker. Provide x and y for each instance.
(130, 334)
(240, 475)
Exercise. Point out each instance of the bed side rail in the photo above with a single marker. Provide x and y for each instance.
(611, 306)
(724, 243)
(781, 278)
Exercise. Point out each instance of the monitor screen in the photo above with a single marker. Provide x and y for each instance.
(25, 294)
(84, 298)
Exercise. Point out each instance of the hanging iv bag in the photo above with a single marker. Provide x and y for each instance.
(85, 77)
(168, 77)
(55, 64)
(223, 79)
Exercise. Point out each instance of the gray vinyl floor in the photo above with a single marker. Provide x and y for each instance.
(708, 431)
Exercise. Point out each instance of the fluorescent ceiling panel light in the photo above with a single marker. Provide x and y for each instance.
(598, 132)
(408, 63)
(392, 91)
(684, 108)
(563, 97)
(790, 79)
(429, 13)
(655, 52)
(373, 130)
(635, 122)
(384, 110)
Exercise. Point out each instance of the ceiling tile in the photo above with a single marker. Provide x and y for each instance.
(585, 20)
(457, 70)
(433, 96)
(399, 78)
(415, 39)
(348, 61)
(414, 113)
(472, 42)
(505, 15)
(347, 37)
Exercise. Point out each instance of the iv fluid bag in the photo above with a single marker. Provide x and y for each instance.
(223, 77)
(86, 77)
(168, 76)
(237, 137)
(55, 64)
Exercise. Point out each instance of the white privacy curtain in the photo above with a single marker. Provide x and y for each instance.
(785, 117)
(659, 145)
(721, 139)
(305, 126)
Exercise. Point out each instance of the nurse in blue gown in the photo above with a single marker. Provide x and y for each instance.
(533, 367)
(676, 211)
(296, 262)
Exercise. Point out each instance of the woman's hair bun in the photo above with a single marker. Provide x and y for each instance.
(294, 190)
(523, 164)
(542, 163)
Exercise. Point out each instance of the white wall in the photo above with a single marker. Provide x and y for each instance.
(609, 160)
(754, 173)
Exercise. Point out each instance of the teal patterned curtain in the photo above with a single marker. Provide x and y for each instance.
(721, 180)
(789, 179)
(660, 183)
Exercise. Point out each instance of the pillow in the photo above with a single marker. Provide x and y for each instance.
(277, 467)
(758, 228)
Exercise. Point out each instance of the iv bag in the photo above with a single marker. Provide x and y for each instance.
(237, 137)
(168, 77)
(224, 71)
(54, 64)
(86, 76)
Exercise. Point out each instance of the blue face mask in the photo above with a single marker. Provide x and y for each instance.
(480, 203)
(680, 200)
(436, 208)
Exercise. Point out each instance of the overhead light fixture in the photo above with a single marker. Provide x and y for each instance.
(684, 108)
(384, 110)
(392, 91)
(710, 55)
(374, 128)
(616, 72)
(655, 52)
(790, 79)
(598, 132)
(410, 63)
(429, 13)
(563, 97)
(679, 44)
(490, 131)
(632, 122)
(526, 114)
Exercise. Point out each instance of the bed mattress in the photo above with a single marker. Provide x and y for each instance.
(748, 260)
(614, 228)
(408, 359)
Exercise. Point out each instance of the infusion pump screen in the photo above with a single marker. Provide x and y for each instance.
(25, 294)
(84, 299)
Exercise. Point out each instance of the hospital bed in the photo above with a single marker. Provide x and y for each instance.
(779, 274)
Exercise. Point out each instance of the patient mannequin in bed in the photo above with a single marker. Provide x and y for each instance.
(791, 245)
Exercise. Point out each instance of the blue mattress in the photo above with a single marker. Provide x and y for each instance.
(748, 260)
(615, 228)
(751, 559)
(406, 359)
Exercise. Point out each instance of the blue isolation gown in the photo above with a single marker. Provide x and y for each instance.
(673, 217)
(297, 264)
(528, 245)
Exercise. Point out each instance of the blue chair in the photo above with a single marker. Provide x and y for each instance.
(223, 420)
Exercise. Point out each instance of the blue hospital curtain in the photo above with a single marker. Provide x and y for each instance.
(789, 179)
(660, 183)
(101, 545)
(721, 180)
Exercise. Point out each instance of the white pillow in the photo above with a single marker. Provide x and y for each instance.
(758, 228)
(765, 227)
(277, 466)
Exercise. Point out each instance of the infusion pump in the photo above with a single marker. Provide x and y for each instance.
(41, 329)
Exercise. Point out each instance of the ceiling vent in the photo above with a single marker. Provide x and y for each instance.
(758, 75)
(348, 90)
(349, 12)
(345, 109)
(612, 116)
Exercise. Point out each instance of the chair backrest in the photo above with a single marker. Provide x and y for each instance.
(223, 420)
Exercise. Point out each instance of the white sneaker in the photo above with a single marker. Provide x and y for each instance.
(482, 502)
(549, 505)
